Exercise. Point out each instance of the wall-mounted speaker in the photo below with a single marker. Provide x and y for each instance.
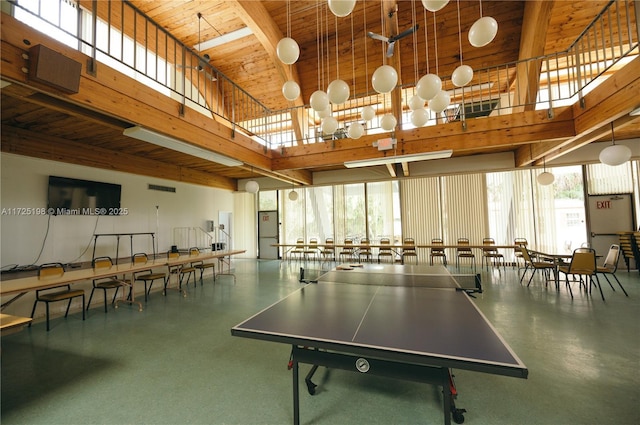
(54, 69)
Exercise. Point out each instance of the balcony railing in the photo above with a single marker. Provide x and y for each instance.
(147, 52)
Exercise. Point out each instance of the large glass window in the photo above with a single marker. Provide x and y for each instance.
(319, 212)
(350, 204)
(383, 211)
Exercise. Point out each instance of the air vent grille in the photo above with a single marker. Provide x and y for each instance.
(162, 188)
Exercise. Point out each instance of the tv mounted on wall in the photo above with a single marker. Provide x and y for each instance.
(68, 196)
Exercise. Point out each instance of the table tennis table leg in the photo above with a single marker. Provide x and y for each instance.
(449, 404)
(296, 395)
(311, 387)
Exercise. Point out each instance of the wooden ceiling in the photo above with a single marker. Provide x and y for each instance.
(41, 122)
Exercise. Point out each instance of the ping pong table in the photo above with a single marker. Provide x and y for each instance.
(406, 322)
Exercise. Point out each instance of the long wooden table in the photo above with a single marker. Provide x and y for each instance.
(398, 248)
(21, 286)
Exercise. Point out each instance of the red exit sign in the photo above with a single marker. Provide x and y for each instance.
(603, 205)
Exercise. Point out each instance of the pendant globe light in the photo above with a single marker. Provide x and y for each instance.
(428, 86)
(615, 154)
(338, 90)
(293, 195)
(463, 74)
(341, 8)
(442, 99)
(483, 31)
(440, 102)
(388, 122)
(384, 79)
(434, 5)
(319, 100)
(356, 130)
(419, 117)
(416, 102)
(368, 113)
(252, 186)
(329, 125)
(545, 178)
(291, 90)
(288, 50)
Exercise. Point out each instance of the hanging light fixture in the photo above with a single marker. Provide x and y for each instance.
(434, 5)
(441, 100)
(545, 178)
(252, 186)
(388, 122)
(293, 195)
(483, 31)
(288, 52)
(615, 154)
(463, 74)
(341, 8)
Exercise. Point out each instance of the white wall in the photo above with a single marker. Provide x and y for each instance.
(24, 184)
(70, 238)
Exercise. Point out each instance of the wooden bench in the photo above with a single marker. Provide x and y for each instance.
(10, 324)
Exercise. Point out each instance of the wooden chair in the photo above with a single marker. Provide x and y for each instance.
(57, 293)
(490, 253)
(544, 267)
(463, 252)
(517, 254)
(610, 266)
(583, 263)
(409, 250)
(386, 253)
(328, 251)
(189, 270)
(365, 250)
(146, 276)
(298, 250)
(175, 270)
(437, 252)
(106, 283)
(311, 250)
(202, 266)
(347, 251)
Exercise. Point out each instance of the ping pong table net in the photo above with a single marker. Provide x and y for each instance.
(470, 283)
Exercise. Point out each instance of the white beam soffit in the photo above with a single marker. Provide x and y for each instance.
(223, 39)
(399, 159)
(167, 142)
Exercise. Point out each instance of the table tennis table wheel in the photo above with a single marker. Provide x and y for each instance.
(311, 387)
(458, 415)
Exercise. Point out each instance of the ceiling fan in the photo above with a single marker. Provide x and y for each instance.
(391, 40)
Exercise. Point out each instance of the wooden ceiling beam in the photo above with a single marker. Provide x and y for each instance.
(535, 24)
(488, 133)
(256, 17)
(24, 142)
(116, 95)
(612, 100)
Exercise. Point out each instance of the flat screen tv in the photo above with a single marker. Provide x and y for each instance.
(68, 196)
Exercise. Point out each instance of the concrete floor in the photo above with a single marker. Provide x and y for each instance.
(177, 363)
